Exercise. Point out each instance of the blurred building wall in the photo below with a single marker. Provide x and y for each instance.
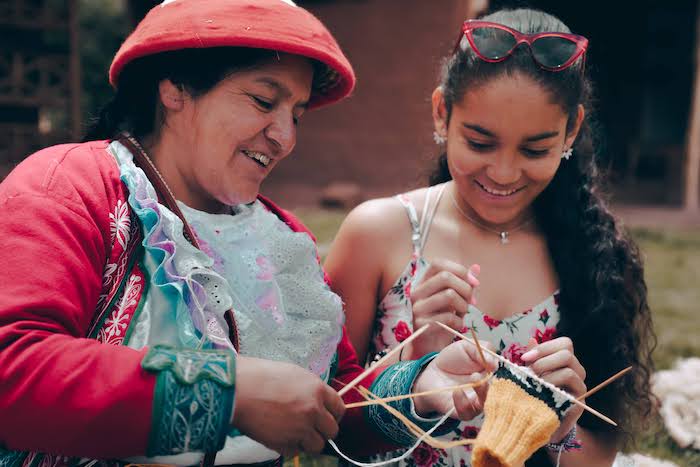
(643, 63)
(39, 77)
(381, 137)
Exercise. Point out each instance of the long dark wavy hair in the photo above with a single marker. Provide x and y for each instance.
(603, 295)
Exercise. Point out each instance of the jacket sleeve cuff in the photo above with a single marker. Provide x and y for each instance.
(193, 400)
(396, 380)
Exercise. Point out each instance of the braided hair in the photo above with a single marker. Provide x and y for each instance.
(603, 295)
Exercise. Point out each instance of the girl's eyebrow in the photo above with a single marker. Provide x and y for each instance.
(541, 136)
(529, 139)
(479, 129)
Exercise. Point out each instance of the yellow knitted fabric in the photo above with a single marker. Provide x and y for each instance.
(516, 424)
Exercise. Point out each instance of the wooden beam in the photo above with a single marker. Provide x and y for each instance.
(75, 71)
(691, 199)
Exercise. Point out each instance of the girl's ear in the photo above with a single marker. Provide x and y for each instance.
(439, 112)
(571, 137)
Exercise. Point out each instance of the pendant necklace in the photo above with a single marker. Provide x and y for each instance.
(503, 235)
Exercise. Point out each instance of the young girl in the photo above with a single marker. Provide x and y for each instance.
(512, 238)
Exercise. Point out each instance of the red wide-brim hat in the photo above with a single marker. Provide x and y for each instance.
(265, 24)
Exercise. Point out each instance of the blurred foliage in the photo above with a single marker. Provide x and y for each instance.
(103, 27)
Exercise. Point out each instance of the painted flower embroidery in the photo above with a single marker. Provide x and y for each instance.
(425, 456)
(546, 335)
(115, 326)
(120, 223)
(469, 432)
(402, 331)
(514, 352)
(490, 322)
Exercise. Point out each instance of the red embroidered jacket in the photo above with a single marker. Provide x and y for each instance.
(64, 248)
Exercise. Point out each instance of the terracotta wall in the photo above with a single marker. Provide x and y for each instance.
(381, 137)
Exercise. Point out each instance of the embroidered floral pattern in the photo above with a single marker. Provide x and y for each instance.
(11, 458)
(395, 380)
(114, 328)
(120, 223)
(115, 267)
(190, 366)
(190, 417)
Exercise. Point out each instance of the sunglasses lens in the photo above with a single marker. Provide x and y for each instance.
(553, 52)
(493, 43)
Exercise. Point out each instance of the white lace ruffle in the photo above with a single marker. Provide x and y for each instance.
(284, 309)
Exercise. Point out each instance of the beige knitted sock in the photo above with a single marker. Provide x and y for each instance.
(521, 414)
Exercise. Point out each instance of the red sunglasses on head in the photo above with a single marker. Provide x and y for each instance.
(493, 42)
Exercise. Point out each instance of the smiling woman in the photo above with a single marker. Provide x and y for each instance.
(524, 235)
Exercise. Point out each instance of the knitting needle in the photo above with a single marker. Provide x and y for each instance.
(427, 393)
(605, 383)
(417, 394)
(416, 430)
(478, 347)
(500, 358)
(396, 349)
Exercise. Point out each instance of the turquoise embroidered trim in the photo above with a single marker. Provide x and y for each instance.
(333, 368)
(12, 458)
(192, 366)
(396, 380)
(189, 417)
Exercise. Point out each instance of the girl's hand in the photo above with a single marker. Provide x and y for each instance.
(444, 294)
(457, 364)
(555, 362)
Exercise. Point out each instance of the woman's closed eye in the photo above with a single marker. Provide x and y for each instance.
(263, 103)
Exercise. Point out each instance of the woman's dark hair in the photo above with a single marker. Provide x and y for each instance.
(135, 106)
(603, 295)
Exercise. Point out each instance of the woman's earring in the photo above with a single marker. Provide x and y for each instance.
(438, 138)
(566, 154)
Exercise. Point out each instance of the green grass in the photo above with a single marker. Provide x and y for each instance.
(672, 271)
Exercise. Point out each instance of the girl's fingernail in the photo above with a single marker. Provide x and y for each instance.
(471, 394)
(529, 355)
(475, 269)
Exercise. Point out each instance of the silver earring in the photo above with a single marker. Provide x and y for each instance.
(566, 154)
(438, 138)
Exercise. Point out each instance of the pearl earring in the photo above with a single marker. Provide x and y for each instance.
(438, 138)
(567, 154)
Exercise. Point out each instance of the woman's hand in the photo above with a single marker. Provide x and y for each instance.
(444, 294)
(457, 364)
(554, 361)
(285, 407)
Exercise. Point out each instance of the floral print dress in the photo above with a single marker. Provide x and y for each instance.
(394, 323)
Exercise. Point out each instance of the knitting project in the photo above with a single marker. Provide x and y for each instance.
(521, 414)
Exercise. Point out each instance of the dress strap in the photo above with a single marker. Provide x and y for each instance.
(413, 218)
(429, 211)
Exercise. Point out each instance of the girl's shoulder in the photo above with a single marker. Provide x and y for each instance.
(387, 217)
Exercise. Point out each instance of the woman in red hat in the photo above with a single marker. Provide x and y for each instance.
(154, 307)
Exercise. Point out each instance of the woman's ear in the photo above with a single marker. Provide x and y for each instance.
(439, 112)
(571, 136)
(172, 96)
